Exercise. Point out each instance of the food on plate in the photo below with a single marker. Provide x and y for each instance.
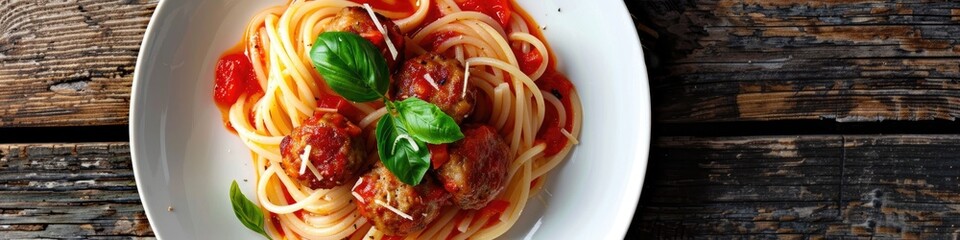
(419, 119)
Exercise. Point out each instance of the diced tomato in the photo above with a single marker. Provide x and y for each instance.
(438, 155)
(342, 106)
(366, 190)
(551, 135)
(557, 84)
(499, 10)
(234, 74)
(530, 61)
(493, 211)
(496, 206)
(403, 6)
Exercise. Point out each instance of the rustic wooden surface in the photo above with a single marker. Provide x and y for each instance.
(712, 62)
(800, 187)
(736, 60)
(77, 190)
(68, 63)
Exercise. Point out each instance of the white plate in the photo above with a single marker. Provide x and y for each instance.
(184, 158)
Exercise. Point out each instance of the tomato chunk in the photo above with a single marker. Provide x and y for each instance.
(529, 61)
(233, 75)
(499, 10)
(438, 155)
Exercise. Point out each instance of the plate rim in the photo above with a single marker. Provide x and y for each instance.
(628, 203)
(148, 39)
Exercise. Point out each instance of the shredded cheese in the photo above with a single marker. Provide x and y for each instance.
(386, 37)
(332, 110)
(569, 136)
(466, 78)
(304, 158)
(354, 188)
(394, 210)
(430, 80)
(356, 184)
(465, 223)
(357, 195)
(410, 140)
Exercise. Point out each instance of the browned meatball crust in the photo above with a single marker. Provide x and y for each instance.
(447, 74)
(336, 151)
(477, 169)
(421, 203)
(357, 20)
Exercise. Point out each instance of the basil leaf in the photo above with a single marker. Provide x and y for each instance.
(426, 122)
(398, 154)
(247, 212)
(351, 66)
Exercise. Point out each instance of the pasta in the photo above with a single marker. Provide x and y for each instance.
(519, 93)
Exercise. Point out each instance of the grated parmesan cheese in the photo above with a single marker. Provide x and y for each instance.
(394, 210)
(386, 37)
(331, 110)
(304, 158)
(430, 80)
(357, 195)
(569, 136)
(466, 78)
(356, 184)
(404, 136)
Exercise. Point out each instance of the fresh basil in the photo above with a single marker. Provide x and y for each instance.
(351, 66)
(427, 122)
(247, 212)
(355, 69)
(409, 162)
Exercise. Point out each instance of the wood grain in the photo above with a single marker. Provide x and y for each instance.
(68, 63)
(84, 190)
(820, 187)
(747, 60)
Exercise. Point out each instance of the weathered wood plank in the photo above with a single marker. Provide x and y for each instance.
(837, 186)
(734, 187)
(736, 60)
(69, 191)
(903, 186)
(68, 63)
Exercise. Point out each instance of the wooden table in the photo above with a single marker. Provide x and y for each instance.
(771, 119)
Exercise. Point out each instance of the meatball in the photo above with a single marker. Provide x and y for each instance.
(357, 20)
(446, 73)
(420, 203)
(477, 168)
(336, 151)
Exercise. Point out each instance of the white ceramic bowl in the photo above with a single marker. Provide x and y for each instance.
(184, 158)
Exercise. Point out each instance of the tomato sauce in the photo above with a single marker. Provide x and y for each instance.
(237, 77)
(550, 132)
(233, 76)
(499, 10)
(438, 155)
(407, 7)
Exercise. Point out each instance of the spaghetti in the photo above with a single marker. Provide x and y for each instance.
(519, 93)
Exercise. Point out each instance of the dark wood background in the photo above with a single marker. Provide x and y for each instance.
(772, 119)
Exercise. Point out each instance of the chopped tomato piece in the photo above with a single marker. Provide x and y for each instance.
(233, 75)
(342, 106)
(438, 155)
(529, 61)
(499, 10)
